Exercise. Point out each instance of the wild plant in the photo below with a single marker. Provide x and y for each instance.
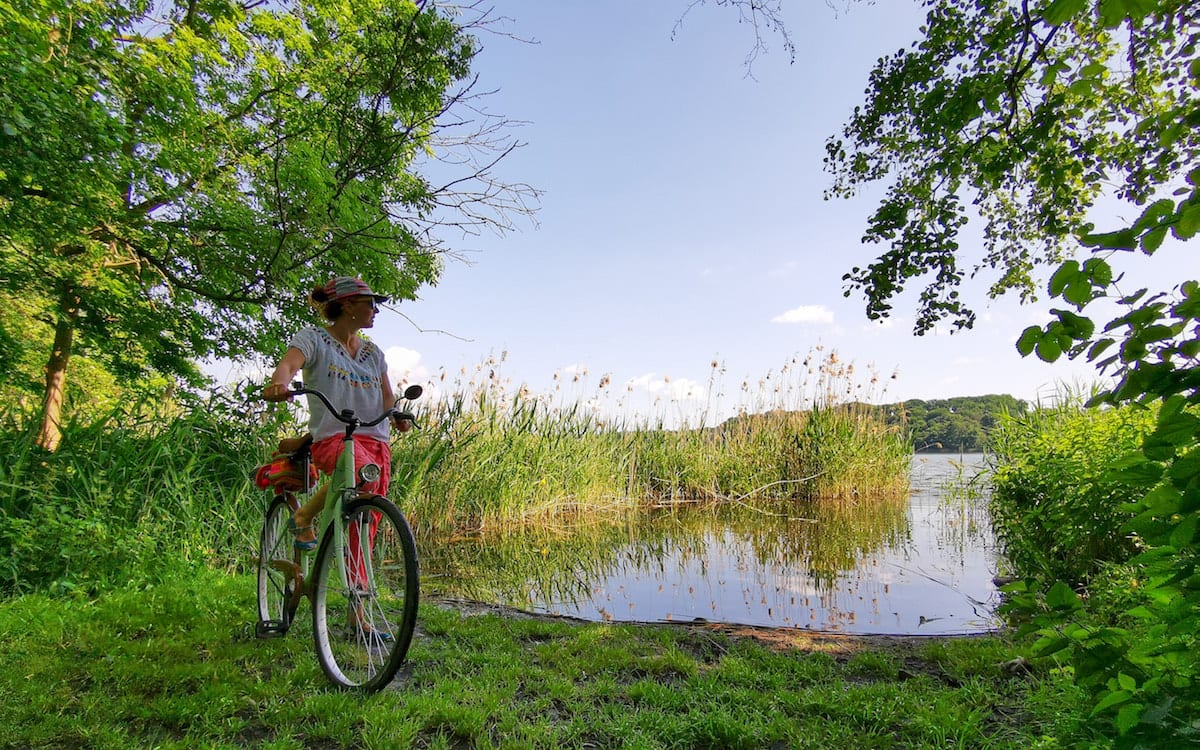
(1057, 506)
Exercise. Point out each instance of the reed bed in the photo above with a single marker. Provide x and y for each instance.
(153, 484)
(128, 494)
(493, 456)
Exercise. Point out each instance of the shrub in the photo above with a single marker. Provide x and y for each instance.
(1057, 506)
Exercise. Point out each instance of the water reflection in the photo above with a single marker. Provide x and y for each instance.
(921, 566)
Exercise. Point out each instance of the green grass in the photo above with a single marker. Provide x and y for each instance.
(175, 665)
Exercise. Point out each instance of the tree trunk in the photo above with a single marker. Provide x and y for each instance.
(56, 369)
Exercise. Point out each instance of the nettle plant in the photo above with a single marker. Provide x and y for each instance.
(1146, 684)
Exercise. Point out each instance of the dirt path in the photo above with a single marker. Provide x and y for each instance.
(780, 639)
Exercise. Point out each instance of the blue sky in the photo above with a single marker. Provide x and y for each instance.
(682, 220)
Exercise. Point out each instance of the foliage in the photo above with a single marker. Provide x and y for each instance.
(488, 458)
(175, 665)
(1148, 679)
(962, 424)
(1027, 116)
(1152, 687)
(175, 175)
(130, 494)
(1021, 115)
(1057, 507)
(151, 483)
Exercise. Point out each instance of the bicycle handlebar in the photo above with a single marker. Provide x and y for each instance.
(346, 416)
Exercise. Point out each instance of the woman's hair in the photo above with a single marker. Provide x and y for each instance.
(331, 309)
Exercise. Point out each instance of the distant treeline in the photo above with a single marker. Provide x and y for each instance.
(955, 425)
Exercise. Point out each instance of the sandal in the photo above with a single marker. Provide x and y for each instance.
(369, 633)
(358, 626)
(304, 545)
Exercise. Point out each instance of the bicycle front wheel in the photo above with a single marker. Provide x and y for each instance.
(365, 595)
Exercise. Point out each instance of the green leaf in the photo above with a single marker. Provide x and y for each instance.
(1067, 273)
(1076, 326)
(1061, 11)
(1028, 340)
(1153, 239)
(1183, 534)
(1189, 221)
(1122, 239)
(1050, 644)
(1062, 596)
(1098, 348)
(1138, 472)
(1175, 430)
(1079, 291)
(1154, 214)
(1128, 717)
(1112, 12)
(1099, 271)
(1048, 349)
(1113, 698)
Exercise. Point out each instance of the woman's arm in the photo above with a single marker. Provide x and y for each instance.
(292, 363)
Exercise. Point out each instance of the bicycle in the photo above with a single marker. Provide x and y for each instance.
(365, 568)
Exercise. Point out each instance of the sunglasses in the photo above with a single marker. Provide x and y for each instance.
(369, 300)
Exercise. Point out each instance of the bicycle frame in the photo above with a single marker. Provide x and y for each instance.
(343, 487)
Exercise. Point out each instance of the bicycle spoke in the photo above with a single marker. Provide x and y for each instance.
(365, 603)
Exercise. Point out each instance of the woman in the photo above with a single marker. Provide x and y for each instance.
(352, 372)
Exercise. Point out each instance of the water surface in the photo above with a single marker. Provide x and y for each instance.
(918, 567)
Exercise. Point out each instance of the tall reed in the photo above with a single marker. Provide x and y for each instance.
(507, 456)
(127, 495)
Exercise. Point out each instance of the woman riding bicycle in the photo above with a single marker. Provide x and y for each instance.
(350, 370)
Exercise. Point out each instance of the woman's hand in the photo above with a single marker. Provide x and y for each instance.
(402, 424)
(276, 392)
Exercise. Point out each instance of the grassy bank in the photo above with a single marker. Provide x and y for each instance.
(173, 665)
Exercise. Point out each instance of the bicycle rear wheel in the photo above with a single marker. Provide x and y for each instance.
(280, 571)
(363, 620)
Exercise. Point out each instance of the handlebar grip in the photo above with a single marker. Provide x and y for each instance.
(405, 416)
(276, 395)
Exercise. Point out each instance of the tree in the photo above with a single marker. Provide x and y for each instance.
(1024, 115)
(174, 174)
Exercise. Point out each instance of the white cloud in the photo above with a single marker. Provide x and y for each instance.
(647, 381)
(404, 365)
(806, 314)
(682, 389)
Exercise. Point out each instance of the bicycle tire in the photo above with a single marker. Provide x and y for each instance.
(278, 566)
(362, 628)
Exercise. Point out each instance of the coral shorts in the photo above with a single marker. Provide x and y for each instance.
(366, 451)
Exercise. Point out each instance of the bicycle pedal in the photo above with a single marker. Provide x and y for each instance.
(271, 628)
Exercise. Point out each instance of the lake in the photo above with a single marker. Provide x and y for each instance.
(920, 566)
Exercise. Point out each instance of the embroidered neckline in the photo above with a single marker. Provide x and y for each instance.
(363, 346)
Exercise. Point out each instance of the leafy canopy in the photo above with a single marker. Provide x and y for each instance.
(175, 175)
(1020, 115)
